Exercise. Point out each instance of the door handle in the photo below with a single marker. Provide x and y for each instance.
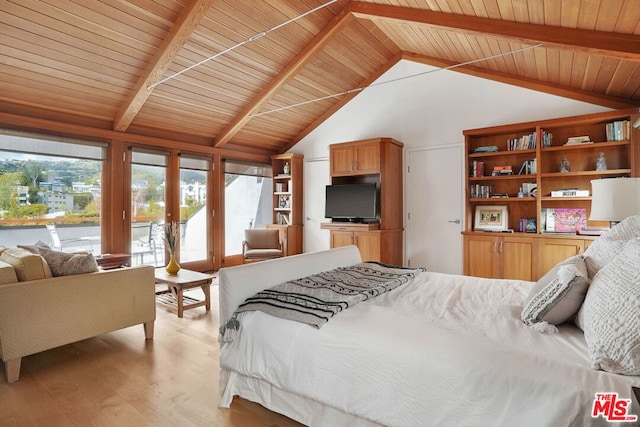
(455, 221)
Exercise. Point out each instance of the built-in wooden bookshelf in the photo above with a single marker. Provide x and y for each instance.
(535, 174)
(287, 200)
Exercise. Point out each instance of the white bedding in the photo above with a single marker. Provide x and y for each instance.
(442, 350)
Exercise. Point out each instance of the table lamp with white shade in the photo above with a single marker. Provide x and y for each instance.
(614, 199)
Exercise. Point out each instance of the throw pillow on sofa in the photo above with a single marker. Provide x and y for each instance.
(34, 249)
(28, 266)
(66, 264)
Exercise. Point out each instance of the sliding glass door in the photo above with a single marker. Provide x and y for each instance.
(195, 215)
(148, 194)
(247, 200)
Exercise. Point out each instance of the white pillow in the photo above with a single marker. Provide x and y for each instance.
(610, 244)
(610, 315)
(558, 295)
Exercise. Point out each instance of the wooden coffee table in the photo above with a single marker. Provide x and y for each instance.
(176, 284)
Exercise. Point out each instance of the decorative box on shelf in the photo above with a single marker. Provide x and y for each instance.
(110, 261)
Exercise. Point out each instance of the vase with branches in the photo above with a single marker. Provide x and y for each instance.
(170, 236)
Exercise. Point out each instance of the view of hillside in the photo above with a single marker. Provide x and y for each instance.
(38, 186)
(27, 187)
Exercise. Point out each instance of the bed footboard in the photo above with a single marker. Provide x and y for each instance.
(240, 282)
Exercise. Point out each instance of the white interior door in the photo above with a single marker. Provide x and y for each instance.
(434, 209)
(316, 178)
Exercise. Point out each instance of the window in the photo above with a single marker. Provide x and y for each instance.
(148, 187)
(194, 218)
(247, 200)
(50, 190)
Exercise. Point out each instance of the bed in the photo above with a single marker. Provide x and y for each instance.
(438, 350)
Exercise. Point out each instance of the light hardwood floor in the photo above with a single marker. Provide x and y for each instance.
(120, 379)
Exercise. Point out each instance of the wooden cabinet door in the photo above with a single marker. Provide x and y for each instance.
(480, 256)
(341, 160)
(500, 257)
(552, 251)
(517, 258)
(369, 245)
(367, 158)
(341, 238)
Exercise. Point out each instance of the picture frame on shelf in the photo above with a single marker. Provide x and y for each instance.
(491, 218)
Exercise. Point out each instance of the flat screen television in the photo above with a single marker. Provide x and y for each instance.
(351, 202)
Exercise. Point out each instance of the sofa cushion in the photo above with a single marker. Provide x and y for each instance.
(7, 273)
(27, 266)
(65, 264)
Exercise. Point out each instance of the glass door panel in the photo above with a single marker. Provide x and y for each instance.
(247, 200)
(148, 185)
(194, 218)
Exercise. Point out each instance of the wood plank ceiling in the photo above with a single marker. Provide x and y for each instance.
(102, 63)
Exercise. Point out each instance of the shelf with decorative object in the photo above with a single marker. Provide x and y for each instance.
(569, 153)
(287, 200)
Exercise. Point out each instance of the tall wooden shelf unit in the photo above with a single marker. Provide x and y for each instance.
(379, 161)
(287, 200)
(528, 256)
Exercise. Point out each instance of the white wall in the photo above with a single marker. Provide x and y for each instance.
(431, 108)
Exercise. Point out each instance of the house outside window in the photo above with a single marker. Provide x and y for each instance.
(50, 191)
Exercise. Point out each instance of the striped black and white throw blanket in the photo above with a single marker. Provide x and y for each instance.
(317, 298)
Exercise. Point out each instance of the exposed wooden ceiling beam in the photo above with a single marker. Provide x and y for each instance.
(188, 20)
(311, 49)
(622, 46)
(559, 90)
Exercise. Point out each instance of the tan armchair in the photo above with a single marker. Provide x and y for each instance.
(261, 244)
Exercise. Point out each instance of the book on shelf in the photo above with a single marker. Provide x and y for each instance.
(527, 225)
(528, 167)
(547, 138)
(577, 140)
(476, 168)
(569, 192)
(486, 149)
(282, 218)
(477, 191)
(526, 142)
(619, 130)
(502, 170)
(282, 187)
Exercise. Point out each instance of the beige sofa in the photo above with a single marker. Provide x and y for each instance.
(40, 314)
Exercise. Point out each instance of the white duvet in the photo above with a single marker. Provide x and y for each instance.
(443, 350)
